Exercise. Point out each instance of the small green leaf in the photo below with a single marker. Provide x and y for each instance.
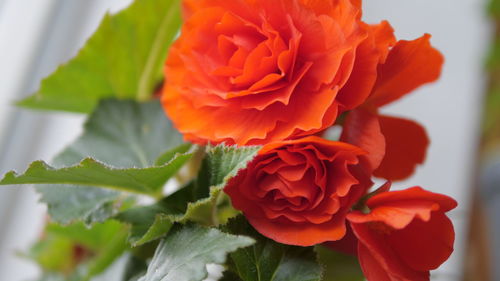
(223, 162)
(185, 252)
(123, 59)
(267, 260)
(338, 266)
(220, 164)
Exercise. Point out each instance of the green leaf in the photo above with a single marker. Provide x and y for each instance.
(63, 249)
(125, 135)
(123, 59)
(230, 276)
(338, 266)
(68, 203)
(220, 164)
(171, 154)
(185, 252)
(153, 222)
(199, 201)
(90, 172)
(267, 260)
(223, 162)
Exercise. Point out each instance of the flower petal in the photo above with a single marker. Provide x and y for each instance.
(362, 128)
(379, 260)
(425, 245)
(409, 65)
(370, 54)
(406, 146)
(299, 234)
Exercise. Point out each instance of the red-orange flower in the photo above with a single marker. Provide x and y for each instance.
(256, 71)
(405, 234)
(298, 192)
(398, 145)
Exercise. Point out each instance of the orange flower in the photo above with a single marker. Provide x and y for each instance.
(256, 71)
(395, 145)
(405, 234)
(298, 192)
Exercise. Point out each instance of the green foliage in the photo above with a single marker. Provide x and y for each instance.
(124, 139)
(267, 260)
(69, 203)
(201, 201)
(90, 172)
(494, 8)
(338, 266)
(152, 222)
(185, 252)
(123, 134)
(64, 248)
(123, 59)
(223, 162)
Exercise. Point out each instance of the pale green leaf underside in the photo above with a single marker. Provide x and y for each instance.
(185, 252)
(69, 203)
(123, 59)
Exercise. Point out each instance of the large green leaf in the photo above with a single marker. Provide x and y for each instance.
(185, 252)
(123, 59)
(199, 201)
(267, 260)
(123, 134)
(69, 203)
(128, 137)
(94, 173)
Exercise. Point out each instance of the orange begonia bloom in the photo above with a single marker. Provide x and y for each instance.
(401, 143)
(405, 234)
(298, 192)
(256, 71)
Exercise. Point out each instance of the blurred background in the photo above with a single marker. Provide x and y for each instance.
(461, 113)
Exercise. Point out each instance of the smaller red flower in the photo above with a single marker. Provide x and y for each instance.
(298, 192)
(405, 235)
